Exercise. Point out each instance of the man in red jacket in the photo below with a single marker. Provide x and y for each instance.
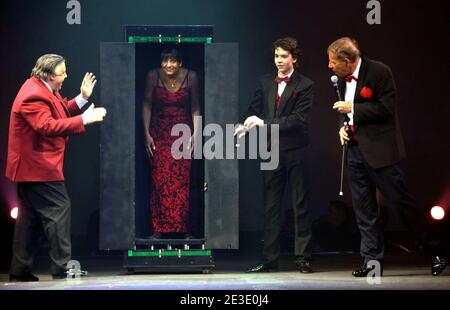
(41, 122)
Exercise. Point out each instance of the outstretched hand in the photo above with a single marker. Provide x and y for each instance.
(240, 131)
(93, 115)
(253, 121)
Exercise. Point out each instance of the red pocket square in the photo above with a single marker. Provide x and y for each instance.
(366, 92)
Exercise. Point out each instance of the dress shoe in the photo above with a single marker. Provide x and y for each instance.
(365, 269)
(438, 265)
(60, 275)
(263, 267)
(26, 277)
(69, 274)
(304, 266)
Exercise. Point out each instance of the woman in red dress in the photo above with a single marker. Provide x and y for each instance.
(171, 98)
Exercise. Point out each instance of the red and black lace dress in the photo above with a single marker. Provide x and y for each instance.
(170, 177)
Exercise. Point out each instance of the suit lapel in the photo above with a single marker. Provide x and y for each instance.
(361, 79)
(342, 86)
(287, 93)
(62, 103)
(58, 103)
(271, 98)
(359, 84)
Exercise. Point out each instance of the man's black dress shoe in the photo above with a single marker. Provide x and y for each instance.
(262, 267)
(58, 276)
(438, 265)
(69, 274)
(365, 269)
(26, 277)
(304, 266)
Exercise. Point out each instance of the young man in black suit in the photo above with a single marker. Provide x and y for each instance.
(375, 146)
(284, 99)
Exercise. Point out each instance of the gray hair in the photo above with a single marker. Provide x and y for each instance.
(45, 66)
(345, 48)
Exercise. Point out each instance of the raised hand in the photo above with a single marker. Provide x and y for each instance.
(87, 85)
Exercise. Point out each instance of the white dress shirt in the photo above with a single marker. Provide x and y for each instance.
(282, 85)
(350, 89)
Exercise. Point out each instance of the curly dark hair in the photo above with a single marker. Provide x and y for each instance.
(288, 44)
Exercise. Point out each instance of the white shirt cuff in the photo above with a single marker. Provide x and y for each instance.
(80, 101)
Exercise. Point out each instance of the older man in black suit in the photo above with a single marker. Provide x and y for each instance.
(375, 146)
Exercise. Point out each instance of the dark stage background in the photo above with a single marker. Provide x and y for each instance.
(411, 39)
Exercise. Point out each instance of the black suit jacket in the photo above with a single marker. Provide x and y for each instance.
(295, 104)
(375, 119)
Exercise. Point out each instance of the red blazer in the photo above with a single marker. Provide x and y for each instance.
(39, 127)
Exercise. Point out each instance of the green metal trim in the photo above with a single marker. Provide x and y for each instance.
(133, 39)
(132, 253)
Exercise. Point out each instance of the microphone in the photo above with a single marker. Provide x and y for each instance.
(334, 80)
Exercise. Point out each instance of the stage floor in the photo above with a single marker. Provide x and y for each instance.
(331, 272)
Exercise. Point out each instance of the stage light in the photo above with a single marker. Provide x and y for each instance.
(437, 213)
(14, 212)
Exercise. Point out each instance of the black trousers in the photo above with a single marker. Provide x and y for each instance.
(44, 205)
(291, 170)
(364, 181)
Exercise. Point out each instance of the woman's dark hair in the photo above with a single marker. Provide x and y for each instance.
(171, 53)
